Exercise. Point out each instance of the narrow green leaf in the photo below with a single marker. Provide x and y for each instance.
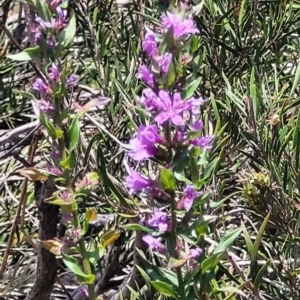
(136, 227)
(248, 241)
(43, 10)
(73, 265)
(164, 288)
(261, 273)
(66, 36)
(191, 88)
(296, 81)
(231, 289)
(74, 133)
(258, 241)
(210, 262)
(48, 126)
(227, 240)
(26, 55)
(167, 179)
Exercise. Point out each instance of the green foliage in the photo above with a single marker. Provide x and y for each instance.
(246, 61)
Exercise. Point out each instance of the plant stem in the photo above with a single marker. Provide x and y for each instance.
(173, 245)
(76, 221)
(173, 238)
(85, 261)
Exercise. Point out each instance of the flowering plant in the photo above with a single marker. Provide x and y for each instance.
(170, 215)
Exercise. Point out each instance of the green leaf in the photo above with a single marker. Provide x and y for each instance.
(136, 227)
(231, 289)
(170, 76)
(43, 10)
(296, 81)
(257, 243)
(66, 36)
(261, 273)
(26, 55)
(49, 127)
(69, 161)
(164, 288)
(191, 88)
(227, 240)
(210, 262)
(74, 133)
(73, 265)
(110, 236)
(167, 179)
(248, 241)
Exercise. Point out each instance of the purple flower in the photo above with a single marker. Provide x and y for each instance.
(198, 125)
(159, 221)
(46, 106)
(84, 293)
(179, 135)
(51, 41)
(40, 86)
(189, 195)
(64, 195)
(43, 24)
(54, 3)
(172, 108)
(149, 44)
(179, 25)
(145, 74)
(54, 171)
(136, 182)
(196, 103)
(164, 62)
(54, 73)
(150, 100)
(153, 243)
(37, 33)
(143, 146)
(203, 142)
(195, 253)
(66, 217)
(60, 22)
(71, 80)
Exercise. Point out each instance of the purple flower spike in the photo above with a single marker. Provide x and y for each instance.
(37, 33)
(46, 106)
(40, 86)
(180, 26)
(62, 15)
(72, 80)
(189, 195)
(136, 182)
(54, 73)
(44, 24)
(149, 44)
(145, 75)
(153, 243)
(150, 101)
(198, 125)
(172, 108)
(159, 221)
(203, 142)
(164, 62)
(195, 253)
(143, 146)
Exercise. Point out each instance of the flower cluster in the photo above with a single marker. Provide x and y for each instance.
(171, 132)
(52, 26)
